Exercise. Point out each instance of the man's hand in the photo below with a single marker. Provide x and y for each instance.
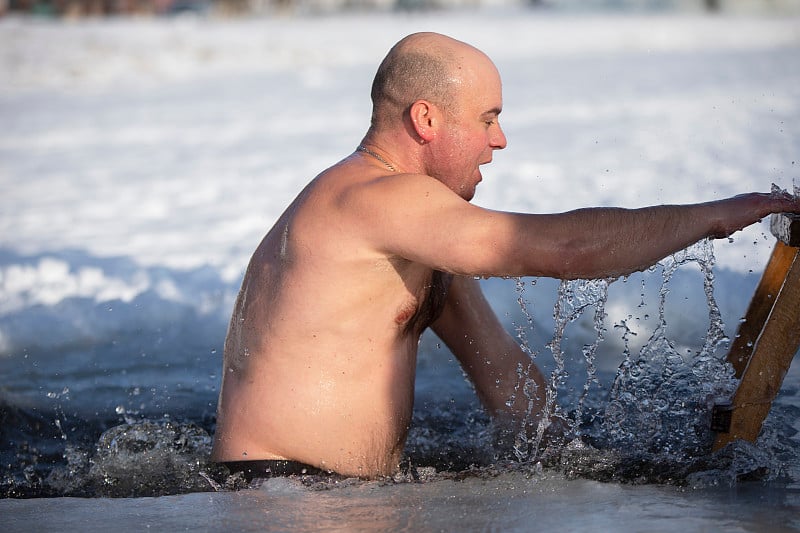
(745, 209)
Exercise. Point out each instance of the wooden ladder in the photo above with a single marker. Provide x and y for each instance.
(767, 339)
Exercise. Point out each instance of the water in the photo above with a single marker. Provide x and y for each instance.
(661, 399)
(651, 425)
(511, 503)
(135, 160)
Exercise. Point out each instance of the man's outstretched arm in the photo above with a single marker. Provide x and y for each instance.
(419, 219)
(610, 242)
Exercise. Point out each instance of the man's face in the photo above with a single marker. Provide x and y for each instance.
(472, 131)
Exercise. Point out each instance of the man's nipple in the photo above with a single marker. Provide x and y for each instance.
(406, 312)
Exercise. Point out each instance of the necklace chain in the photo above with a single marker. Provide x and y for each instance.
(362, 148)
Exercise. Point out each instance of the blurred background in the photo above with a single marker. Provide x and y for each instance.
(79, 8)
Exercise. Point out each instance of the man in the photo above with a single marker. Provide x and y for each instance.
(320, 355)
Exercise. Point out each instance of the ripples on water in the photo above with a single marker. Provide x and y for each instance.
(651, 426)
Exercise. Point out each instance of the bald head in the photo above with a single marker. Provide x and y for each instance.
(422, 66)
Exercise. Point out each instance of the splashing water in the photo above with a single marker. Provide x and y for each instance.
(574, 297)
(522, 330)
(522, 445)
(778, 191)
(661, 400)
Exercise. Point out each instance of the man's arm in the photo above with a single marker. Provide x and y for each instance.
(506, 379)
(418, 218)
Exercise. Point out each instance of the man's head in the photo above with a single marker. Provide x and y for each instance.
(445, 96)
(417, 67)
(427, 66)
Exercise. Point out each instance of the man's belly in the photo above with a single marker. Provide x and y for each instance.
(354, 429)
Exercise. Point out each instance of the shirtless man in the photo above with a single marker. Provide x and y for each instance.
(320, 356)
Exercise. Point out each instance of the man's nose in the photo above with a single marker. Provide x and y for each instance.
(498, 140)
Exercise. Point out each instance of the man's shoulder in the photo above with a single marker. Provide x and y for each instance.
(376, 188)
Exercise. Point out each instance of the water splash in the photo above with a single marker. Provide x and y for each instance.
(150, 458)
(574, 297)
(660, 401)
(523, 445)
(522, 329)
(659, 405)
(778, 191)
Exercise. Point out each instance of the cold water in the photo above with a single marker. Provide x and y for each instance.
(645, 422)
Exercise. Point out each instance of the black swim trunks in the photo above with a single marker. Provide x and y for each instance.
(267, 468)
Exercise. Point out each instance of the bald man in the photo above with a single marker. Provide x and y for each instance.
(320, 355)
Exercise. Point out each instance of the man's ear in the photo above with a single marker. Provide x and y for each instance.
(425, 119)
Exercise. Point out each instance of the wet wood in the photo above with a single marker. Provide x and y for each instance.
(760, 306)
(768, 338)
